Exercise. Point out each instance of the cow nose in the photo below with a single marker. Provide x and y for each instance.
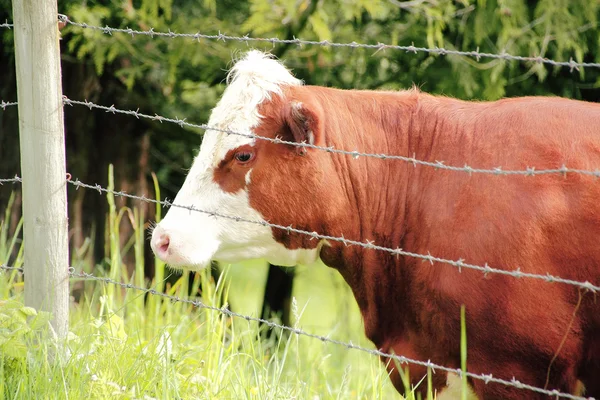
(160, 242)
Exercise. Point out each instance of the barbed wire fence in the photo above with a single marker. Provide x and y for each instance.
(487, 378)
(476, 54)
(460, 263)
(528, 171)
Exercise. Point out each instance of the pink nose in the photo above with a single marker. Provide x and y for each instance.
(160, 242)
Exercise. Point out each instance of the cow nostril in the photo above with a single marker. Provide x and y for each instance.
(161, 243)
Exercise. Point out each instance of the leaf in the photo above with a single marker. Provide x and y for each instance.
(376, 8)
(41, 320)
(28, 311)
(115, 326)
(15, 348)
(495, 91)
(7, 305)
(319, 26)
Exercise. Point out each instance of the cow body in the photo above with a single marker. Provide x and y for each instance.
(543, 334)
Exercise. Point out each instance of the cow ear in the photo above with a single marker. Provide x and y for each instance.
(302, 125)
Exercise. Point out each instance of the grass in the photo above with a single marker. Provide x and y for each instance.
(125, 345)
(121, 349)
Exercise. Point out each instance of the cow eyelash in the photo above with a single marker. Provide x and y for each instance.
(244, 156)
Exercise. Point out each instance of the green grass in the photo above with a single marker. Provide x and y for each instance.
(121, 350)
(123, 345)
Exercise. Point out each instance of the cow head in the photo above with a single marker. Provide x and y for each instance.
(256, 180)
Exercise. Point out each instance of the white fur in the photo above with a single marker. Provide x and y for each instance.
(453, 390)
(197, 238)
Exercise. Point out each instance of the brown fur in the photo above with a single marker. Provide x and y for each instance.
(540, 224)
(231, 174)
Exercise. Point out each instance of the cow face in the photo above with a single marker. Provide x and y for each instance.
(232, 175)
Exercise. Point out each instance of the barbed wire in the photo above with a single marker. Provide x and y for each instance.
(460, 263)
(529, 171)
(4, 104)
(476, 54)
(16, 179)
(486, 269)
(487, 378)
(11, 268)
(369, 245)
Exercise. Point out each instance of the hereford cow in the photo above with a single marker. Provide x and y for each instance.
(543, 334)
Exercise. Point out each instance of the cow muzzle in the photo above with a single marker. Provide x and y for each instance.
(175, 249)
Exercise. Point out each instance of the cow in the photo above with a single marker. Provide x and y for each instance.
(270, 160)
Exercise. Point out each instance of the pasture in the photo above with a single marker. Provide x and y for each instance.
(124, 333)
(125, 346)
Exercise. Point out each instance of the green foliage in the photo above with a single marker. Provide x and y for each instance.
(21, 330)
(11, 253)
(554, 29)
(10, 244)
(16, 328)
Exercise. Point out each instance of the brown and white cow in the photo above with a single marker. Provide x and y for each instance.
(523, 328)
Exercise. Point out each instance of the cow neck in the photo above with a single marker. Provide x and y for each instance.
(376, 193)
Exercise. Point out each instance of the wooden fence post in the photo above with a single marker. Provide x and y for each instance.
(39, 93)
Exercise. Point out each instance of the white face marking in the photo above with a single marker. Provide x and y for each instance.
(194, 238)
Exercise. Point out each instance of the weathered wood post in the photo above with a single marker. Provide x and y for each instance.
(39, 93)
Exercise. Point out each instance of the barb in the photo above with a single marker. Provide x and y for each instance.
(6, 25)
(486, 269)
(16, 179)
(487, 378)
(476, 54)
(10, 268)
(530, 171)
(4, 104)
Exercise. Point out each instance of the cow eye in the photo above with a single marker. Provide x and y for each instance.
(244, 156)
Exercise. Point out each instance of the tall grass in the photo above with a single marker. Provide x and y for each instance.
(124, 344)
(11, 251)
